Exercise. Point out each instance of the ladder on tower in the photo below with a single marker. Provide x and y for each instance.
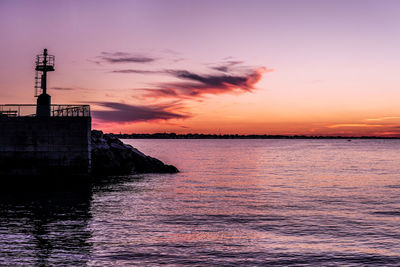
(38, 84)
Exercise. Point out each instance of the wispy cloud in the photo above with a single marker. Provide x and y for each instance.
(383, 119)
(123, 113)
(63, 88)
(227, 66)
(197, 85)
(228, 76)
(136, 71)
(354, 125)
(123, 57)
(231, 77)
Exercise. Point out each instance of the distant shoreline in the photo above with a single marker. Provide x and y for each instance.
(238, 136)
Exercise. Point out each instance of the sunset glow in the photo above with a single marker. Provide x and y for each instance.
(247, 67)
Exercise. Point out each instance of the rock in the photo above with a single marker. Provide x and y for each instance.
(117, 146)
(110, 156)
(97, 134)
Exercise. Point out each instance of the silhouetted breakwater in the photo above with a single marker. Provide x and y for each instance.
(110, 156)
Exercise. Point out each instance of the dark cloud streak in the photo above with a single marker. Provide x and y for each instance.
(219, 81)
(63, 88)
(122, 57)
(134, 71)
(196, 85)
(227, 66)
(134, 113)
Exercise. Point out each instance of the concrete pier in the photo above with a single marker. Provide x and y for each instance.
(56, 146)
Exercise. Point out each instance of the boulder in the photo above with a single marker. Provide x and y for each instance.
(110, 156)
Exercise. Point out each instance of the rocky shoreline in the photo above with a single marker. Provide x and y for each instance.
(110, 156)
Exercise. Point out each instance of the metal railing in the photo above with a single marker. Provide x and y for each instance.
(29, 110)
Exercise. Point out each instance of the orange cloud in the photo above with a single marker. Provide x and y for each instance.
(354, 125)
(196, 85)
(383, 119)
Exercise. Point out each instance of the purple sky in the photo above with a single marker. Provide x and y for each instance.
(327, 67)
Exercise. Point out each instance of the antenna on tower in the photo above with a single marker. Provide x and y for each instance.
(44, 64)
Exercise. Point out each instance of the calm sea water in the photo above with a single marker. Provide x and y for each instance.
(236, 202)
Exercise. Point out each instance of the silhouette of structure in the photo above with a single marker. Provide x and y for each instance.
(44, 64)
(44, 139)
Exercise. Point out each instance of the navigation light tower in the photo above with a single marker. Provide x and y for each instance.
(44, 64)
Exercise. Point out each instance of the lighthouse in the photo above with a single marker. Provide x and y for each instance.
(44, 64)
(45, 139)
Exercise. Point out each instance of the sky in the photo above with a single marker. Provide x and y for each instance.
(300, 67)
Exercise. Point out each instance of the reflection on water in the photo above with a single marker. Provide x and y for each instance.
(236, 202)
(44, 229)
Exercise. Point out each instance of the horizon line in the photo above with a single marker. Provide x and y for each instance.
(231, 136)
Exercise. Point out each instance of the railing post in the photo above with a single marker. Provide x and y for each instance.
(55, 110)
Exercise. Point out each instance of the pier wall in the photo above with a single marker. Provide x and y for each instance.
(45, 146)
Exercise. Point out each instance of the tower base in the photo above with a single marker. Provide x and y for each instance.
(43, 105)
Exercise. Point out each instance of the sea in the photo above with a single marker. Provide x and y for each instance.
(259, 202)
